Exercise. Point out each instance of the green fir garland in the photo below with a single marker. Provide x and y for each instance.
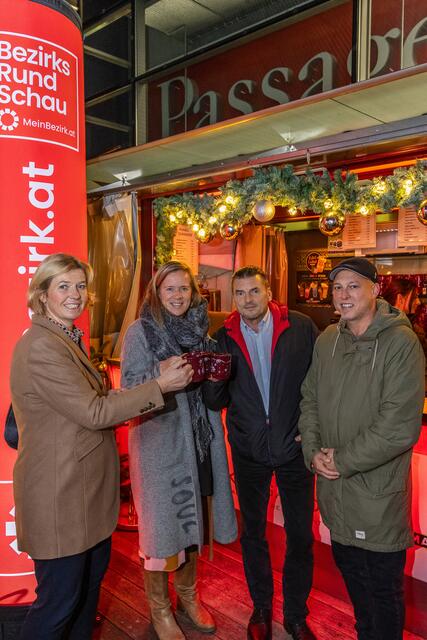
(310, 191)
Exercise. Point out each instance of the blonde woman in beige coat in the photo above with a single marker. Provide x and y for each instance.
(66, 477)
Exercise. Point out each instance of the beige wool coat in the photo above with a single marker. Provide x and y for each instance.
(66, 477)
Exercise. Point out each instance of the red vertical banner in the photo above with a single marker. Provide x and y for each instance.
(43, 200)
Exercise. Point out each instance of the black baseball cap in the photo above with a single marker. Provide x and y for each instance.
(362, 266)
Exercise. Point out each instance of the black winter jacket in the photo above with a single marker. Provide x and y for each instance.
(269, 440)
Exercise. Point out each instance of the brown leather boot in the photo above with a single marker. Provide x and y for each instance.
(188, 596)
(156, 590)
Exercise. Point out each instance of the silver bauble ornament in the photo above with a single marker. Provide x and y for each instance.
(229, 230)
(263, 211)
(331, 223)
(422, 212)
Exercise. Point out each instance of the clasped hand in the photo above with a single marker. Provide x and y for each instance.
(323, 463)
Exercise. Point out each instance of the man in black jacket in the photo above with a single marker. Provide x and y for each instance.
(271, 351)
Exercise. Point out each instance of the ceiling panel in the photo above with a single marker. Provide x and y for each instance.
(198, 15)
(299, 124)
(388, 102)
(167, 17)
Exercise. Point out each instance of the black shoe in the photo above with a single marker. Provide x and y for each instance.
(259, 627)
(299, 630)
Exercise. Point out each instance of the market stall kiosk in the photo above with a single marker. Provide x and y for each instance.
(289, 157)
(298, 248)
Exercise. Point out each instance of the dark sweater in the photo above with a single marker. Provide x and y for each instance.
(270, 439)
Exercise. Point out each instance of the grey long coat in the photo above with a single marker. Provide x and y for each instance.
(163, 465)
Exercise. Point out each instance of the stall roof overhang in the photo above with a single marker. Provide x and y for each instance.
(381, 106)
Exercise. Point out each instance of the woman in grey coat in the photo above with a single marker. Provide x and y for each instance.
(177, 457)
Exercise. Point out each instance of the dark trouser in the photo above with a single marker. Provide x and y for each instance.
(67, 595)
(374, 582)
(296, 487)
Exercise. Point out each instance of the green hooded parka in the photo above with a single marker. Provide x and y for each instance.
(364, 397)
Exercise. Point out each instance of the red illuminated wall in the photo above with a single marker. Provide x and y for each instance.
(42, 164)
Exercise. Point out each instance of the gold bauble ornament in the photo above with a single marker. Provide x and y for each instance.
(263, 211)
(422, 212)
(331, 223)
(230, 230)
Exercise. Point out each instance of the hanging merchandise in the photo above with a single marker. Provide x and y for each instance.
(422, 212)
(331, 223)
(263, 211)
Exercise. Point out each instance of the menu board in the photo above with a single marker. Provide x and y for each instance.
(359, 232)
(186, 247)
(410, 231)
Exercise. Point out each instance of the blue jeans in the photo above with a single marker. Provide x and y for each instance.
(374, 583)
(296, 488)
(67, 595)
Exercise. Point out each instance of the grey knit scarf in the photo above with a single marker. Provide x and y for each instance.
(178, 335)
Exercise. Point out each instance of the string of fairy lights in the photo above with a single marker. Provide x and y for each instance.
(256, 197)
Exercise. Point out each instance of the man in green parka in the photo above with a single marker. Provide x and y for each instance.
(360, 418)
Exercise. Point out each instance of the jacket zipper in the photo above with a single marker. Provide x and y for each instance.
(267, 424)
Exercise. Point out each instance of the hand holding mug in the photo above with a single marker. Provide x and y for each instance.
(174, 375)
(173, 360)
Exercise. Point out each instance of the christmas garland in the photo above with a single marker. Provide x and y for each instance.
(239, 200)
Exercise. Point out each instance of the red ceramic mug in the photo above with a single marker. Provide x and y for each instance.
(197, 361)
(220, 366)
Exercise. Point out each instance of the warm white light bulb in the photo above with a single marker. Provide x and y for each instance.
(380, 188)
(408, 185)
